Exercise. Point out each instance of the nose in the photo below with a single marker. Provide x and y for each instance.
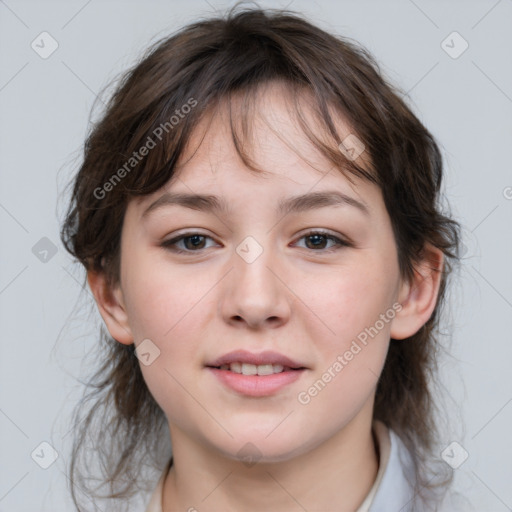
(254, 293)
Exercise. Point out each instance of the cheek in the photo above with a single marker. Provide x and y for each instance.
(353, 349)
(347, 303)
(161, 299)
(353, 357)
(171, 309)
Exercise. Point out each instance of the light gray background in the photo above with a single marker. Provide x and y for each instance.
(45, 103)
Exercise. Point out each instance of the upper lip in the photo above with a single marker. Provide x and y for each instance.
(266, 357)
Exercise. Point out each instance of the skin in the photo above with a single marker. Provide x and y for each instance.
(305, 302)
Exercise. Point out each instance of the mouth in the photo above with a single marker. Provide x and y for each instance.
(250, 363)
(256, 375)
(253, 369)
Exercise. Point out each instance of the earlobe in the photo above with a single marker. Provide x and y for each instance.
(111, 307)
(418, 296)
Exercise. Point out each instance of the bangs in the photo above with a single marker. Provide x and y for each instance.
(169, 134)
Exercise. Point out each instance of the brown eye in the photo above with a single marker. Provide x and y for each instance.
(193, 242)
(318, 240)
(196, 242)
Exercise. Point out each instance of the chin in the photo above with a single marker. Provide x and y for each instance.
(258, 448)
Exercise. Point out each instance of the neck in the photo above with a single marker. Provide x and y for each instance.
(338, 474)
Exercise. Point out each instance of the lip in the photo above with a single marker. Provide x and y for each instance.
(256, 385)
(266, 357)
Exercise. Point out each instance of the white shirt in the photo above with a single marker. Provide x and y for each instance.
(390, 491)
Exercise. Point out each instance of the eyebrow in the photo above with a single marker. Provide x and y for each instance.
(294, 204)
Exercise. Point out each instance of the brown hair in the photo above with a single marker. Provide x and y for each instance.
(208, 62)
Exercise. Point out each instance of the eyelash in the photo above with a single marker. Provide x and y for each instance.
(170, 244)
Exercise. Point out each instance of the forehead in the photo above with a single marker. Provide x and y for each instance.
(266, 123)
(266, 126)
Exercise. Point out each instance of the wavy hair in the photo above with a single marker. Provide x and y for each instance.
(211, 61)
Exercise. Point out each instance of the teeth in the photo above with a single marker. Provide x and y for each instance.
(252, 369)
(265, 369)
(249, 369)
(235, 367)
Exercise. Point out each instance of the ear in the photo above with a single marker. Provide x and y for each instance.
(111, 307)
(418, 296)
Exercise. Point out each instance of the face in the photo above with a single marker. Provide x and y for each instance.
(310, 289)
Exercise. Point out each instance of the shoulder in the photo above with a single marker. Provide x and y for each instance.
(397, 489)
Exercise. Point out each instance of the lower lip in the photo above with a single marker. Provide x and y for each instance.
(256, 385)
